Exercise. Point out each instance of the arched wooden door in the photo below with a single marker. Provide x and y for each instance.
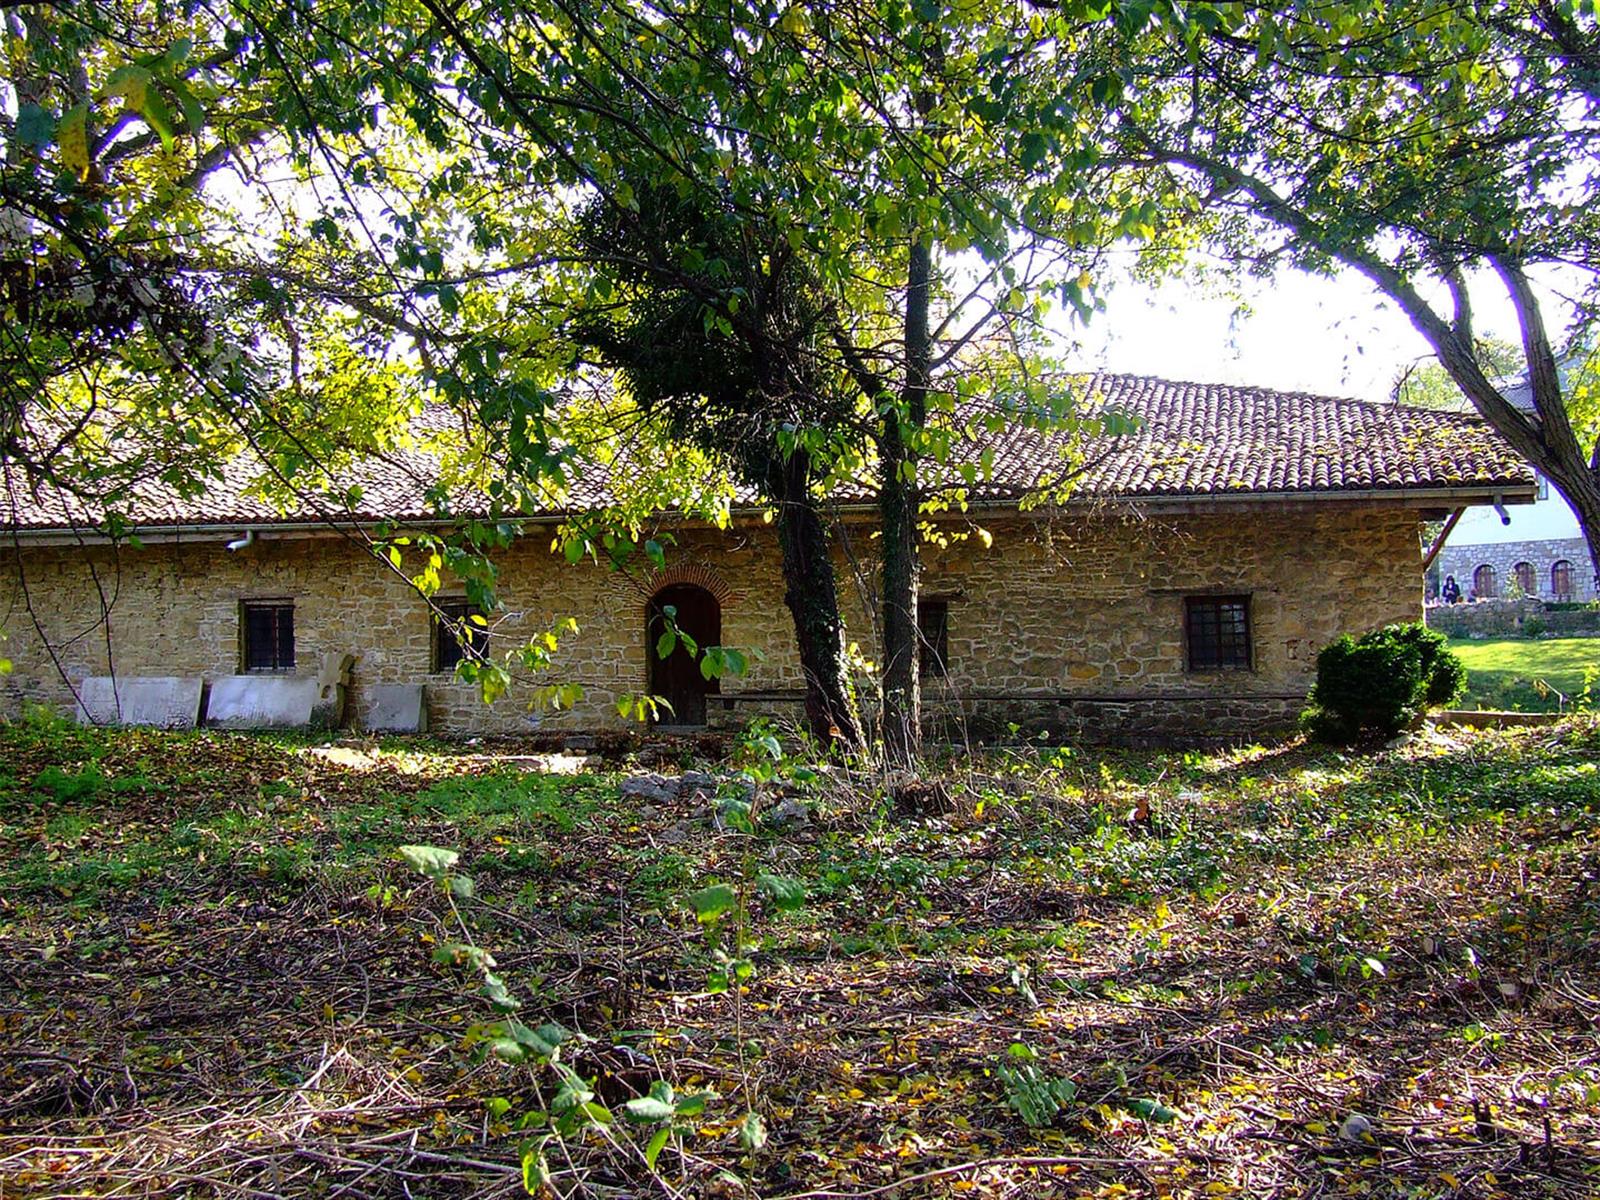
(677, 678)
(1485, 583)
(1561, 579)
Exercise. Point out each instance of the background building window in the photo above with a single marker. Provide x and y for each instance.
(1561, 579)
(1218, 632)
(933, 637)
(1526, 583)
(1485, 583)
(268, 635)
(452, 622)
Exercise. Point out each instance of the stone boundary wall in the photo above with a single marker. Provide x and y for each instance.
(1511, 618)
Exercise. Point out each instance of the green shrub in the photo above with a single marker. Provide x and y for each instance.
(1381, 681)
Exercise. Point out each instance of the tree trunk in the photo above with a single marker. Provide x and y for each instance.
(1546, 439)
(1584, 496)
(812, 596)
(897, 508)
(898, 503)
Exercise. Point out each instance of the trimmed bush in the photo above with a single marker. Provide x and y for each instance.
(1381, 682)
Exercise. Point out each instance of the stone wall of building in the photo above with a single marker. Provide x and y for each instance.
(1071, 622)
(1541, 555)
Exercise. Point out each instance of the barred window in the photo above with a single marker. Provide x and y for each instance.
(933, 637)
(455, 620)
(268, 634)
(1218, 632)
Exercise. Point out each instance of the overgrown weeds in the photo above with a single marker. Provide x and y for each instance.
(1084, 974)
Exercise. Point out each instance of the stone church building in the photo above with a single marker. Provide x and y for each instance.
(1185, 588)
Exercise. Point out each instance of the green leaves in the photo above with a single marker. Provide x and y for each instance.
(1032, 1094)
(431, 861)
(752, 1133)
(647, 1110)
(494, 987)
(536, 1176)
(462, 954)
(664, 1107)
(36, 126)
(709, 903)
(786, 894)
(728, 974)
(1152, 1110)
(662, 1103)
(721, 661)
(1038, 1097)
(72, 135)
(513, 1041)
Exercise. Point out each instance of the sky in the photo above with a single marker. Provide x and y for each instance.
(1335, 336)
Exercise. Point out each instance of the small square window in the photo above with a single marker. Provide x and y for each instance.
(933, 637)
(455, 620)
(1218, 629)
(268, 629)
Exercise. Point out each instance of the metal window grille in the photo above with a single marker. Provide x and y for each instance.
(454, 621)
(268, 635)
(1219, 632)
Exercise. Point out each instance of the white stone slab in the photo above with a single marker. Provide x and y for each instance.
(165, 701)
(398, 708)
(262, 701)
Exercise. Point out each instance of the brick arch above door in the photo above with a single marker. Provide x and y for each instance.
(695, 573)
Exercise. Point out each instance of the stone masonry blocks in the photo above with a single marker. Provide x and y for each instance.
(1068, 610)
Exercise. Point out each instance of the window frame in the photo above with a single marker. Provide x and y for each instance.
(933, 653)
(277, 606)
(1217, 600)
(445, 649)
(1486, 571)
(1527, 577)
(1568, 593)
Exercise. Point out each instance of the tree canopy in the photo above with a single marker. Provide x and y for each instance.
(1441, 150)
(388, 195)
(286, 227)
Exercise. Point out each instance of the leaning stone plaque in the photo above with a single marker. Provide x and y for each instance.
(165, 701)
(398, 708)
(263, 701)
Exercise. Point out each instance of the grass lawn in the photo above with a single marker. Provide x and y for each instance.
(1067, 974)
(1503, 674)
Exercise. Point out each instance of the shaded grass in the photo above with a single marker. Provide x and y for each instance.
(219, 977)
(1508, 673)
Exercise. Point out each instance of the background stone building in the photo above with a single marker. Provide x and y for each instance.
(1534, 550)
(1539, 554)
(1187, 587)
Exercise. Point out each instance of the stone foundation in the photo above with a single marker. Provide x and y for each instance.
(1129, 720)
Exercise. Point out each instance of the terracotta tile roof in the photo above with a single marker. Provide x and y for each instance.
(1192, 440)
(1208, 439)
